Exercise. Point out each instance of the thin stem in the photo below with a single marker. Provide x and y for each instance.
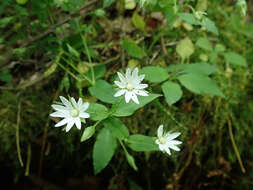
(235, 147)
(17, 136)
(28, 161)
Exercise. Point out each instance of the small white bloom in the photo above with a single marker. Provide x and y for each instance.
(71, 111)
(166, 140)
(131, 86)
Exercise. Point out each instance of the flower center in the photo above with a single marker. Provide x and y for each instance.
(74, 113)
(130, 86)
(162, 140)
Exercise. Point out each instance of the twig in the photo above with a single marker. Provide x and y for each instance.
(235, 147)
(17, 136)
(28, 161)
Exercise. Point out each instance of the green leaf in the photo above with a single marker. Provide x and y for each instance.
(107, 3)
(103, 150)
(189, 18)
(138, 22)
(204, 44)
(172, 92)
(131, 161)
(88, 133)
(97, 111)
(73, 51)
(154, 73)
(117, 128)
(103, 91)
(5, 76)
(201, 68)
(99, 71)
(142, 143)
(126, 109)
(199, 84)
(185, 48)
(133, 49)
(210, 26)
(235, 59)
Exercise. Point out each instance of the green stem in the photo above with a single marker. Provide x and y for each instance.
(17, 136)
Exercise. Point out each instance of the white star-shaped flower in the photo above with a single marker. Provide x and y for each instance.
(131, 86)
(71, 111)
(166, 140)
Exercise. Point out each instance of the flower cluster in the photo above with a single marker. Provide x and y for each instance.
(129, 85)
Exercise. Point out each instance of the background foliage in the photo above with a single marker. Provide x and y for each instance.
(202, 69)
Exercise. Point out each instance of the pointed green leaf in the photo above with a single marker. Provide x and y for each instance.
(142, 143)
(131, 161)
(103, 91)
(126, 109)
(172, 92)
(138, 21)
(97, 111)
(235, 59)
(117, 128)
(133, 49)
(154, 73)
(103, 150)
(88, 133)
(199, 84)
(204, 44)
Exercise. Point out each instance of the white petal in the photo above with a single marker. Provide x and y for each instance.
(169, 136)
(174, 147)
(59, 107)
(121, 77)
(128, 73)
(141, 86)
(141, 77)
(74, 102)
(84, 115)
(174, 142)
(128, 96)
(84, 107)
(161, 147)
(65, 101)
(59, 114)
(78, 123)
(80, 102)
(120, 93)
(120, 84)
(134, 98)
(160, 131)
(70, 124)
(168, 151)
(157, 141)
(62, 122)
(141, 92)
(135, 73)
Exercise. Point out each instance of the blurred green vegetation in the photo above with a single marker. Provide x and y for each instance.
(41, 39)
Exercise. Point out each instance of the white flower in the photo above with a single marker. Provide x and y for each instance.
(165, 140)
(130, 85)
(72, 111)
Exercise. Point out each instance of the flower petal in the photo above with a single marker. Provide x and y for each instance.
(171, 136)
(120, 93)
(80, 102)
(120, 84)
(59, 114)
(78, 123)
(128, 73)
(160, 131)
(141, 77)
(70, 124)
(59, 107)
(121, 77)
(128, 96)
(84, 115)
(141, 86)
(62, 122)
(74, 102)
(65, 101)
(134, 98)
(84, 107)
(174, 147)
(141, 92)
(168, 151)
(135, 73)
(176, 142)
